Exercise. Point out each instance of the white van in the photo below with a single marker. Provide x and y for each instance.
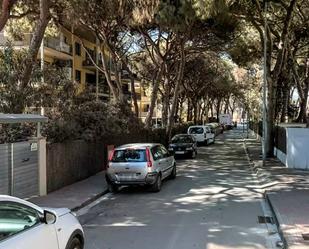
(202, 134)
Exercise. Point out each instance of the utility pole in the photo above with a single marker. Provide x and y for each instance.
(264, 139)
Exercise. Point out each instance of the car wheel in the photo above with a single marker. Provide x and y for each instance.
(112, 188)
(156, 187)
(75, 244)
(174, 172)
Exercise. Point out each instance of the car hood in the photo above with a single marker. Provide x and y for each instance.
(59, 211)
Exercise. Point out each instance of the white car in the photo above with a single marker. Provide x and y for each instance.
(24, 225)
(202, 134)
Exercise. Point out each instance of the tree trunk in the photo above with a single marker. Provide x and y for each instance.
(176, 91)
(195, 112)
(166, 102)
(5, 12)
(212, 110)
(107, 73)
(218, 108)
(285, 104)
(154, 95)
(269, 133)
(302, 116)
(180, 110)
(134, 97)
(35, 43)
(189, 111)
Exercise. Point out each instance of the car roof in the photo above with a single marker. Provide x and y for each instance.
(8, 198)
(136, 146)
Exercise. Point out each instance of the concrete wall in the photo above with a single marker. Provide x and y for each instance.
(280, 155)
(297, 148)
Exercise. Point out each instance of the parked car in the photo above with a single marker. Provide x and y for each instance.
(140, 164)
(202, 134)
(24, 225)
(216, 128)
(183, 144)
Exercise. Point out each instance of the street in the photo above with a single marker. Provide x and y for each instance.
(211, 204)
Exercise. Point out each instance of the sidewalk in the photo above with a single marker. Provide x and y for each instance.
(287, 191)
(75, 196)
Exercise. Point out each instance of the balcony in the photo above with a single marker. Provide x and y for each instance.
(57, 45)
(25, 40)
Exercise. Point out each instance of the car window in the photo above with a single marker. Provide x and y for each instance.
(129, 155)
(196, 130)
(182, 139)
(156, 153)
(165, 153)
(15, 218)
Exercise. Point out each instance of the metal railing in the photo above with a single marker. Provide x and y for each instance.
(58, 45)
(21, 43)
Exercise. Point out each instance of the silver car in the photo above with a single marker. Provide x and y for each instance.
(140, 164)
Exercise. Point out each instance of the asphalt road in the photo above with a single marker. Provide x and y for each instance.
(212, 204)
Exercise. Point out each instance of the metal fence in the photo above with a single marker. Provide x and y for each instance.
(19, 169)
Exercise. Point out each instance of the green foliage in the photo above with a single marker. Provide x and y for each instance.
(246, 49)
(56, 91)
(175, 15)
(92, 121)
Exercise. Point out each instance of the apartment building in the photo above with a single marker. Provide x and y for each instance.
(66, 50)
(143, 93)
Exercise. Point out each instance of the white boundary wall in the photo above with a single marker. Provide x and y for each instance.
(297, 148)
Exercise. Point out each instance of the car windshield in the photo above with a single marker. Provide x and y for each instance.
(196, 130)
(129, 155)
(182, 139)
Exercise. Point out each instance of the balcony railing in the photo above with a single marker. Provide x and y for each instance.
(58, 45)
(22, 43)
(103, 89)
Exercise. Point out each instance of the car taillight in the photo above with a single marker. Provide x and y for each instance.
(149, 162)
(110, 156)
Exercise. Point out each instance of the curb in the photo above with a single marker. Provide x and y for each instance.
(90, 200)
(260, 173)
(285, 244)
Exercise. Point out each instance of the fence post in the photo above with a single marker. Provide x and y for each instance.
(42, 166)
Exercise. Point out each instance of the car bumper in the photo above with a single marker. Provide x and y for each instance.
(148, 180)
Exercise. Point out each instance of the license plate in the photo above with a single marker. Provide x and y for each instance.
(126, 176)
(180, 152)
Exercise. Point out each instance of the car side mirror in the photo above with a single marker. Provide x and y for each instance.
(49, 217)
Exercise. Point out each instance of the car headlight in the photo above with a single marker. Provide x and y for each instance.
(189, 148)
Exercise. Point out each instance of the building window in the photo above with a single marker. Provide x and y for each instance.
(78, 76)
(146, 108)
(91, 79)
(77, 49)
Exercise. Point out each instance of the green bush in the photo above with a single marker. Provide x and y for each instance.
(92, 121)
